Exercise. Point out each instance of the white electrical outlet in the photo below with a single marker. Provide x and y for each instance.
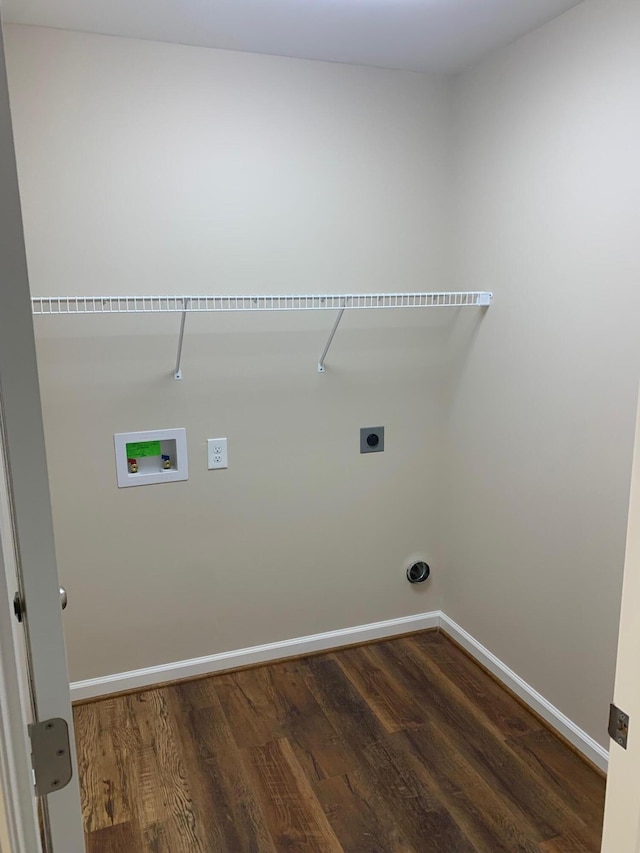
(217, 453)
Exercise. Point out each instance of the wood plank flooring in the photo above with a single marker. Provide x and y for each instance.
(402, 746)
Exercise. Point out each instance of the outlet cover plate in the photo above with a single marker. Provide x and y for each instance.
(372, 439)
(217, 453)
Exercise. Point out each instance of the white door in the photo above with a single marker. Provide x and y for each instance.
(27, 538)
(622, 810)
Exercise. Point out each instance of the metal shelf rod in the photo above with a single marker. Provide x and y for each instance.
(333, 331)
(178, 371)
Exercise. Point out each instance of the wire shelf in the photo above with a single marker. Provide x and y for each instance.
(54, 305)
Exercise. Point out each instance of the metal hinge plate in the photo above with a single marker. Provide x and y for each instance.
(50, 755)
(618, 726)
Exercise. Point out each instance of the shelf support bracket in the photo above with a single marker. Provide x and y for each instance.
(177, 374)
(333, 331)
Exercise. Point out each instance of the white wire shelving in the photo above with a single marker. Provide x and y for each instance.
(48, 306)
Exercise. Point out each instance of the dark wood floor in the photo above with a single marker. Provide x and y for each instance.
(404, 746)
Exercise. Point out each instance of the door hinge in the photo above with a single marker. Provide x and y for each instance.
(18, 607)
(50, 755)
(618, 726)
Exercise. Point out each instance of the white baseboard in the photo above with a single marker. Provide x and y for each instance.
(552, 715)
(139, 678)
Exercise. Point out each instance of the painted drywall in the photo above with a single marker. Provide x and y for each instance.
(155, 168)
(545, 140)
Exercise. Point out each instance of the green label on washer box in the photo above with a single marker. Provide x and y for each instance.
(137, 449)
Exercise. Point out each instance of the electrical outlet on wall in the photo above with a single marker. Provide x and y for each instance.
(217, 453)
(372, 439)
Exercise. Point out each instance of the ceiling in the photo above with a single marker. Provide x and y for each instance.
(415, 35)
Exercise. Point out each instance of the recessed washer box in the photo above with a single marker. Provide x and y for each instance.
(151, 456)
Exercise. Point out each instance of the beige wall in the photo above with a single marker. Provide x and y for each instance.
(157, 168)
(547, 188)
(154, 168)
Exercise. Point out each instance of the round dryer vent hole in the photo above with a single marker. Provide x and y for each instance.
(418, 572)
